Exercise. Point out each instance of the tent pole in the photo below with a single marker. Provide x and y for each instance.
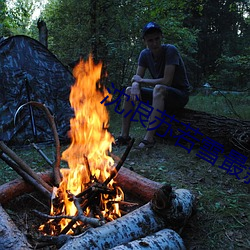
(33, 125)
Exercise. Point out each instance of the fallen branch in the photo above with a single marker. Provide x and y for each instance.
(42, 154)
(231, 133)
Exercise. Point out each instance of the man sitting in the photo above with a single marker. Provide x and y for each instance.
(169, 84)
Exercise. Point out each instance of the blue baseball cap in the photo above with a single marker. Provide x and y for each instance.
(150, 26)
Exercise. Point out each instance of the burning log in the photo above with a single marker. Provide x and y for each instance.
(163, 239)
(10, 237)
(166, 208)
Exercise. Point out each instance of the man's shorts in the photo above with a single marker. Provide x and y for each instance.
(175, 99)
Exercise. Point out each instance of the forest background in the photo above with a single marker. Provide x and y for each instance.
(213, 36)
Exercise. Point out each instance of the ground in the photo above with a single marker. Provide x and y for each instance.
(223, 211)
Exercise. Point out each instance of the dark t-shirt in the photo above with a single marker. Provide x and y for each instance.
(171, 56)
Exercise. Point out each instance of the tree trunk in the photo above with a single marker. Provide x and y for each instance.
(231, 133)
(10, 237)
(43, 32)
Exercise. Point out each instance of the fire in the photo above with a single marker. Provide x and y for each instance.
(88, 155)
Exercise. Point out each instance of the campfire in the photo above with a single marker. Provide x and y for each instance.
(87, 188)
(87, 198)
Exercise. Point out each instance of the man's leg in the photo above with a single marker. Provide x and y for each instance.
(127, 106)
(159, 95)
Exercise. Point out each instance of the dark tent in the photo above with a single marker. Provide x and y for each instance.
(29, 71)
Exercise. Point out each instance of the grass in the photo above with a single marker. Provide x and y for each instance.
(223, 211)
(234, 106)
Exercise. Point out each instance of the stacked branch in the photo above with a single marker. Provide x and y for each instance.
(96, 197)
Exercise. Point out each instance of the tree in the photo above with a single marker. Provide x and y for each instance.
(20, 15)
(223, 30)
(111, 30)
(4, 20)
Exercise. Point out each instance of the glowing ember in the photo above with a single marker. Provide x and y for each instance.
(87, 156)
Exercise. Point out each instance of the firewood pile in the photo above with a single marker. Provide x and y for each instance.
(155, 223)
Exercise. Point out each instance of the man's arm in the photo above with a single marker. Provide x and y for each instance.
(166, 80)
(135, 89)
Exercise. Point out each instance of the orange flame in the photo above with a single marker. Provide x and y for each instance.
(87, 156)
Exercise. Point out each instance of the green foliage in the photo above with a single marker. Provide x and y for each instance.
(212, 36)
(4, 20)
(233, 72)
(20, 16)
(111, 30)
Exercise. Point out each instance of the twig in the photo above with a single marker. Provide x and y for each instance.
(87, 220)
(52, 217)
(120, 163)
(97, 187)
(79, 215)
(86, 162)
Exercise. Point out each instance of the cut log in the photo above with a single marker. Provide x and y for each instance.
(139, 223)
(231, 133)
(163, 239)
(18, 187)
(10, 237)
(150, 218)
(136, 185)
(140, 187)
(176, 207)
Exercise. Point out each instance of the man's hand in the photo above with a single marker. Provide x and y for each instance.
(136, 78)
(135, 91)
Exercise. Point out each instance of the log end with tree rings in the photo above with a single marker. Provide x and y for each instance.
(176, 207)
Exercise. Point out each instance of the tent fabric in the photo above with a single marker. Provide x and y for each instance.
(30, 72)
